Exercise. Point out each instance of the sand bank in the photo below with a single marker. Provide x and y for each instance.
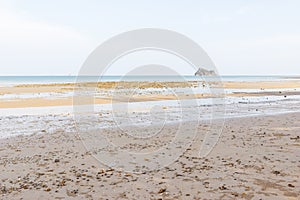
(61, 94)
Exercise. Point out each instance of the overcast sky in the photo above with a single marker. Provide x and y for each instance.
(54, 37)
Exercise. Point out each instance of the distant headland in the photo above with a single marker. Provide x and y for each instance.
(204, 72)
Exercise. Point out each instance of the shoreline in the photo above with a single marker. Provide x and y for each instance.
(250, 115)
(45, 102)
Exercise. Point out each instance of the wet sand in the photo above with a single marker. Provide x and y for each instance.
(255, 158)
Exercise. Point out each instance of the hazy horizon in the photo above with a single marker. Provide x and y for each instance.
(74, 75)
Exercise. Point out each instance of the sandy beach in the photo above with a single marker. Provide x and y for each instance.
(256, 156)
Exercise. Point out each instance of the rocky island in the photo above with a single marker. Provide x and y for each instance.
(204, 72)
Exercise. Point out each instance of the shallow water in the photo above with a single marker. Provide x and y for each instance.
(18, 121)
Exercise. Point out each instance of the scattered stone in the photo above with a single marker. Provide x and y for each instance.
(162, 190)
(72, 193)
(223, 187)
(295, 138)
(276, 172)
(40, 174)
(206, 184)
(127, 174)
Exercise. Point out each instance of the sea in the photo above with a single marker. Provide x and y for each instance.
(17, 80)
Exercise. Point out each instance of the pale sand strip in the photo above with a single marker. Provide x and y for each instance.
(262, 85)
(256, 158)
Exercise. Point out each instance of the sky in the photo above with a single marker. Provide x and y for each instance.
(257, 37)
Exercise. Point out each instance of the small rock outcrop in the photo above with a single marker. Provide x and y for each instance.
(204, 72)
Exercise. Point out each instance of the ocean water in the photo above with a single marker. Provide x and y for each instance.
(16, 80)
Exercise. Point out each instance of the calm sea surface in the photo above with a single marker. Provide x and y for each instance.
(15, 80)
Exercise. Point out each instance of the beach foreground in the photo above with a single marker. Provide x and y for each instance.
(256, 158)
